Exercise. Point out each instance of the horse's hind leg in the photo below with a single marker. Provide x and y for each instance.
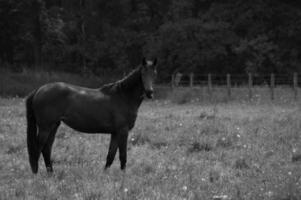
(42, 138)
(46, 151)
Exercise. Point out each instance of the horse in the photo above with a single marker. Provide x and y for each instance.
(111, 109)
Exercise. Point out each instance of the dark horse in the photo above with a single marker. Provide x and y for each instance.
(110, 109)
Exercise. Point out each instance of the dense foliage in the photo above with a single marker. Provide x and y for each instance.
(100, 36)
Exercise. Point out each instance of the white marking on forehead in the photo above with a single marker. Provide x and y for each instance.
(149, 62)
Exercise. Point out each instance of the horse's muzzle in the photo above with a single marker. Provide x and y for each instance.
(149, 94)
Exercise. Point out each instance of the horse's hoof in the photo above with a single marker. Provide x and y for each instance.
(49, 171)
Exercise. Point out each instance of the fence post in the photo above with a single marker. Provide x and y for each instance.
(296, 85)
(191, 79)
(209, 85)
(250, 85)
(172, 81)
(272, 85)
(229, 85)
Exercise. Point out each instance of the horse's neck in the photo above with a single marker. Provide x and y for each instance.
(127, 83)
(131, 80)
(132, 86)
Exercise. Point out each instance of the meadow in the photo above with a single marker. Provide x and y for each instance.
(177, 150)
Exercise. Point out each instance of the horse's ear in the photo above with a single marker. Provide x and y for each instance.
(144, 61)
(155, 62)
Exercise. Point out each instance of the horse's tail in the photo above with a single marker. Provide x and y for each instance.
(32, 144)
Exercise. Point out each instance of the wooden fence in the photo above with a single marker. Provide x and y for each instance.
(237, 80)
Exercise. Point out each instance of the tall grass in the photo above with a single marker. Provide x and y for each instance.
(260, 94)
(21, 83)
(189, 151)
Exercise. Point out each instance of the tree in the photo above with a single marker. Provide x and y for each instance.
(201, 36)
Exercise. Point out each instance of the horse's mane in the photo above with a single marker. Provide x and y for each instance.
(124, 83)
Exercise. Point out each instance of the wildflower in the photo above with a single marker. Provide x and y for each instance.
(77, 196)
(126, 190)
(173, 167)
(220, 197)
(184, 188)
(269, 193)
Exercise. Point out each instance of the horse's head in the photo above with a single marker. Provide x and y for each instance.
(148, 74)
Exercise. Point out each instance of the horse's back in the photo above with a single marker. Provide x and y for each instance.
(60, 90)
(51, 100)
(84, 109)
(52, 93)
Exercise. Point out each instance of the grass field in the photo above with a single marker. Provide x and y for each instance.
(194, 151)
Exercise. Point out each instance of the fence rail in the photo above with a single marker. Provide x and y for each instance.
(236, 80)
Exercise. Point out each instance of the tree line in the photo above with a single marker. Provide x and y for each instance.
(200, 36)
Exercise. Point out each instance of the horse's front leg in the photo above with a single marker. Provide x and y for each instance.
(112, 150)
(122, 145)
